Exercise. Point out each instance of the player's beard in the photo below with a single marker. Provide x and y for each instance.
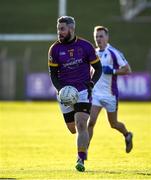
(66, 39)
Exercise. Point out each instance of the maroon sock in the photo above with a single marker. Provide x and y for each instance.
(82, 155)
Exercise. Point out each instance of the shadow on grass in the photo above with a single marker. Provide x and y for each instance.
(119, 172)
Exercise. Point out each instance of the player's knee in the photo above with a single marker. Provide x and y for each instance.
(73, 131)
(71, 127)
(81, 125)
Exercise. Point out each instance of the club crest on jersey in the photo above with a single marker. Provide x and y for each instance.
(71, 51)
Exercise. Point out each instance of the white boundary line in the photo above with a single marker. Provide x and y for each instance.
(28, 37)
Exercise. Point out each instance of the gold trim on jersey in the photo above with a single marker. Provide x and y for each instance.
(95, 61)
(52, 64)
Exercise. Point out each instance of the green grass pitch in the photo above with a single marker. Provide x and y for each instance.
(35, 144)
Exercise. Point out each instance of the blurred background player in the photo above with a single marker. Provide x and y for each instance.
(69, 62)
(105, 92)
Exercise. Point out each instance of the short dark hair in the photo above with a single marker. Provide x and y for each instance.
(100, 28)
(66, 19)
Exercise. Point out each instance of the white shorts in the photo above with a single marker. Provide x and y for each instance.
(110, 103)
(83, 97)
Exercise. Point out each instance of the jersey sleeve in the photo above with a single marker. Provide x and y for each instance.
(121, 60)
(52, 57)
(92, 57)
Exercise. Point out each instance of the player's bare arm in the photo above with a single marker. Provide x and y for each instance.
(123, 70)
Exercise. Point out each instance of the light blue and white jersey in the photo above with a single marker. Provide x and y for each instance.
(107, 84)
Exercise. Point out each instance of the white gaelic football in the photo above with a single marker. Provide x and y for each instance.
(68, 95)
